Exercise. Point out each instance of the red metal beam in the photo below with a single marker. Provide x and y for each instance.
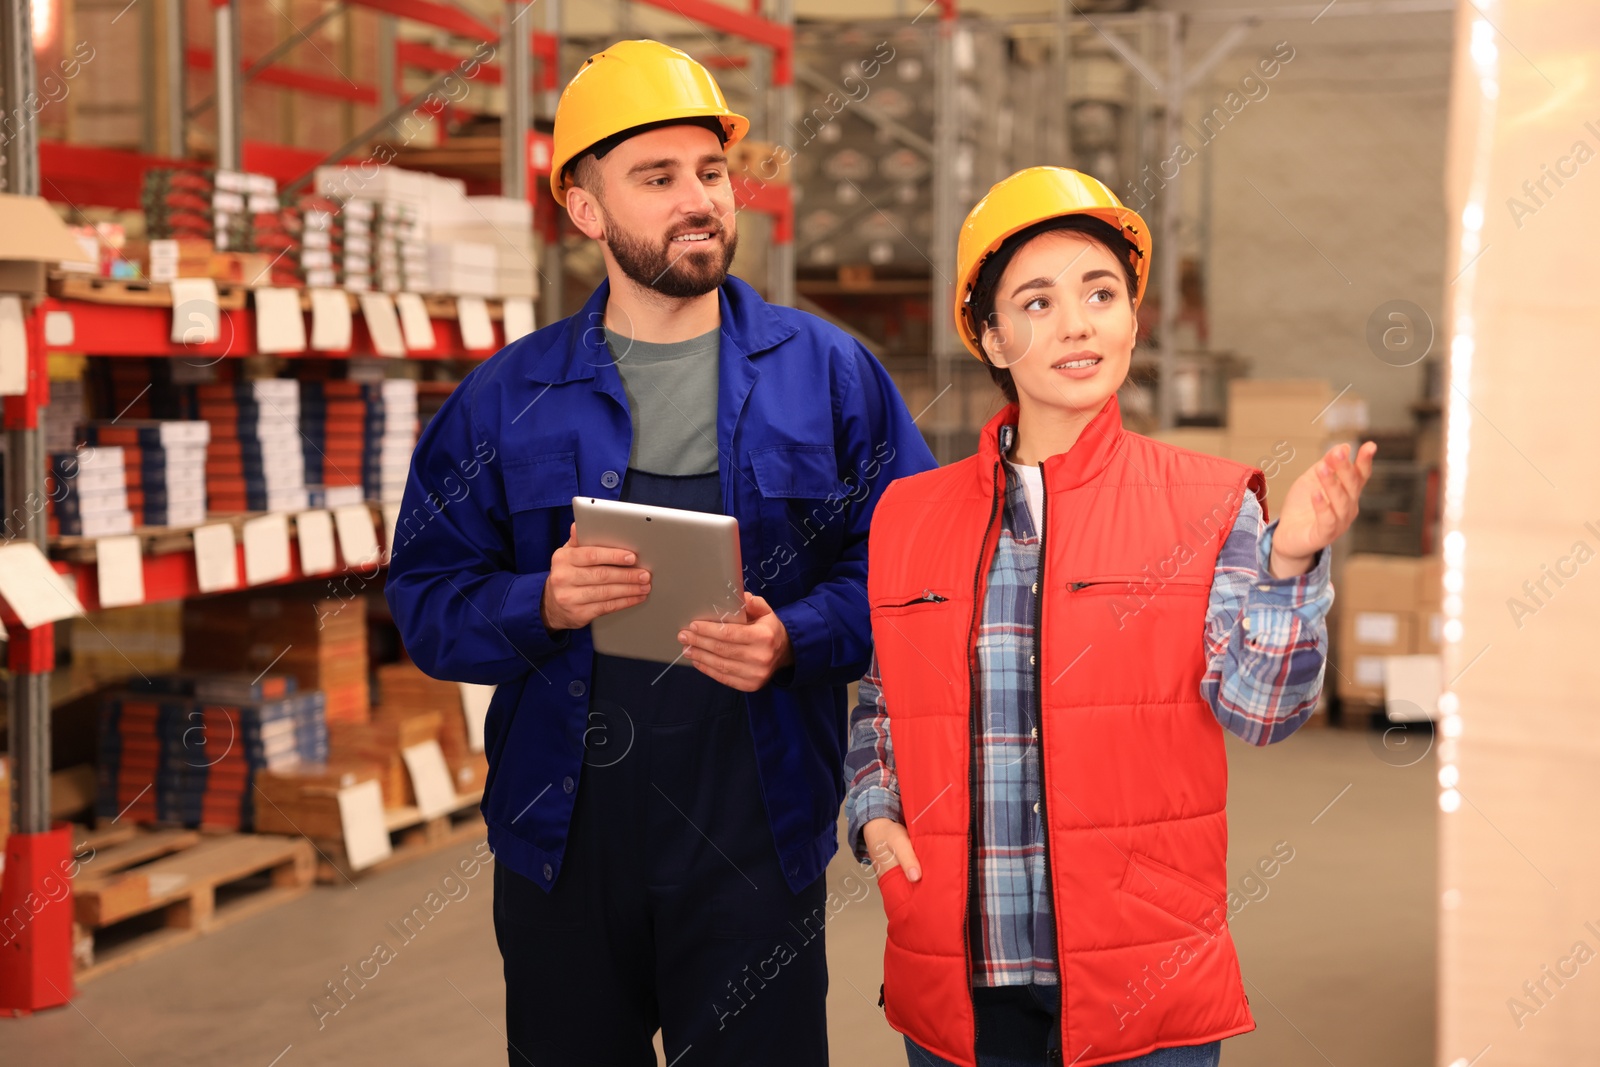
(117, 330)
(768, 198)
(285, 78)
(173, 575)
(103, 177)
(423, 57)
(443, 16)
(752, 28)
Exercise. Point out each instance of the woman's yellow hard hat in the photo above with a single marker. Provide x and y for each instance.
(1028, 197)
(634, 83)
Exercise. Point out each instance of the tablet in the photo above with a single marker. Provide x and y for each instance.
(695, 573)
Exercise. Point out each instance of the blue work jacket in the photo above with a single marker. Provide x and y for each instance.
(810, 430)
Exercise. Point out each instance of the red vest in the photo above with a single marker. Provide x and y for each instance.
(1135, 775)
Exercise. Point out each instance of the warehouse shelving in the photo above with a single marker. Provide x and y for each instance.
(104, 326)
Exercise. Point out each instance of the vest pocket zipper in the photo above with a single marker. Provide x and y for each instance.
(927, 597)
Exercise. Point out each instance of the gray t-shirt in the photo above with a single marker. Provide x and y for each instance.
(672, 397)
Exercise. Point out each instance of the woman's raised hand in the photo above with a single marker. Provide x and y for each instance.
(1320, 505)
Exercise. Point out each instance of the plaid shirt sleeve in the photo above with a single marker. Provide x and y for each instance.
(873, 791)
(1266, 637)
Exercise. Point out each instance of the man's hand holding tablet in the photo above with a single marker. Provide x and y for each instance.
(586, 583)
(743, 655)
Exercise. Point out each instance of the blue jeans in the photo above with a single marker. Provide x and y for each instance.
(1017, 1027)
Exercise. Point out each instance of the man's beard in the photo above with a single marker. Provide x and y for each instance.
(676, 269)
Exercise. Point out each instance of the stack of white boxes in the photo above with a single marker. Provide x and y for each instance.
(89, 492)
(273, 457)
(392, 435)
(429, 235)
(464, 268)
(400, 248)
(166, 465)
(355, 266)
(504, 226)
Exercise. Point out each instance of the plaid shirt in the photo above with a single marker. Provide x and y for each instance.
(1266, 643)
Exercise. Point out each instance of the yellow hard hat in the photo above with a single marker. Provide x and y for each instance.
(1028, 197)
(634, 83)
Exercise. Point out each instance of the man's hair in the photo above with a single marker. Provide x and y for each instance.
(586, 174)
(985, 288)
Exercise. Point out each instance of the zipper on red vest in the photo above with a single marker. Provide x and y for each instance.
(927, 597)
(973, 700)
(1044, 786)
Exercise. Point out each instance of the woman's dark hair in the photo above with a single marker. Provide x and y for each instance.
(985, 288)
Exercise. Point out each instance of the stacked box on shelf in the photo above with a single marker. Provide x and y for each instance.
(235, 201)
(304, 799)
(321, 643)
(139, 639)
(177, 203)
(382, 743)
(155, 388)
(256, 461)
(334, 432)
(195, 743)
(166, 466)
(403, 690)
(170, 258)
(399, 248)
(64, 415)
(321, 242)
(1387, 606)
(355, 260)
(466, 268)
(334, 496)
(391, 436)
(498, 222)
(88, 493)
(131, 728)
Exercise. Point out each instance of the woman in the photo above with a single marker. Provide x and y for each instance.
(1061, 622)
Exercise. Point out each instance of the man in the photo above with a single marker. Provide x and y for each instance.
(661, 832)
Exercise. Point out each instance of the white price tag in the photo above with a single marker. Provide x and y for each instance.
(266, 549)
(119, 571)
(330, 320)
(280, 325)
(216, 559)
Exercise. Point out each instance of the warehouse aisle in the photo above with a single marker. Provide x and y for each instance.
(1337, 945)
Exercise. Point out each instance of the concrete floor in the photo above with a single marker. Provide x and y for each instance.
(1338, 954)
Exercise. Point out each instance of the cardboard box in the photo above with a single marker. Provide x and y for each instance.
(1277, 407)
(36, 239)
(1387, 606)
(1294, 407)
(304, 800)
(381, 743)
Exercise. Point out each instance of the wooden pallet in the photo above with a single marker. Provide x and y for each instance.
(134, 292)
(410, 835)
(165, 887)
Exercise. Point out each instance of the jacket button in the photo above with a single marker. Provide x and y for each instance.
(575, 687)
(567, 784)
(1035, 588)
(609, 479)
(1036, 733)
(549, 872)
(1032, 660)
(1036, 807)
